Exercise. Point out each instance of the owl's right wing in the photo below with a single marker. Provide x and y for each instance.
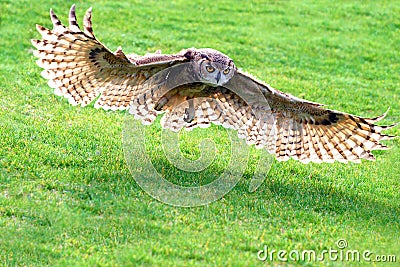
(81, 68)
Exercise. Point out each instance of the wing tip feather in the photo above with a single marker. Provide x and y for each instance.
(73, 25)
(378, 118)
(87, 22)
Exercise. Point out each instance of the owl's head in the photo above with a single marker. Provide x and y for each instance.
(212, 66)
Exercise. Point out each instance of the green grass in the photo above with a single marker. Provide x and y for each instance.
(67, 197)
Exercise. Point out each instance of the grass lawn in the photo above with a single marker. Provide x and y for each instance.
(67, 197)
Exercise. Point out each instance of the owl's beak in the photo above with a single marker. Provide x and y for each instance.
(218, 76)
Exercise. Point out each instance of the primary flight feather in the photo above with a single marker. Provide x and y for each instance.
(196, 87)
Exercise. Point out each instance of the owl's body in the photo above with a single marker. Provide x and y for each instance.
(196, 87)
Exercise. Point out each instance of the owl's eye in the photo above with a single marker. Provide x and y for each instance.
(226, 71)
(210, 69)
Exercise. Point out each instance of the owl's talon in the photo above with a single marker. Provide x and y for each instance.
(161, 103)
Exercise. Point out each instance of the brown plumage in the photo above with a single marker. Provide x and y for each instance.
(196, 87)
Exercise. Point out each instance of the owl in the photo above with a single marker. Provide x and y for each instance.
(197, 87)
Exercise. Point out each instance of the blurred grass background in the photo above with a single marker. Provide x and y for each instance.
(66, 194)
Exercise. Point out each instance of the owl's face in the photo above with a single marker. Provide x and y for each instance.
(214, 68)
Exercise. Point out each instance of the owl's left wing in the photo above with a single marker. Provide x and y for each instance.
(286, 126)
(306, 131)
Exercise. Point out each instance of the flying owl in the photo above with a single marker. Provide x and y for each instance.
(197, 87)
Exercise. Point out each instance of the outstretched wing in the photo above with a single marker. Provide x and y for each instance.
(307, 132)
(81, 68)
(286, 126)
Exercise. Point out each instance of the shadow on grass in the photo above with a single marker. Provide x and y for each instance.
(313, 195)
